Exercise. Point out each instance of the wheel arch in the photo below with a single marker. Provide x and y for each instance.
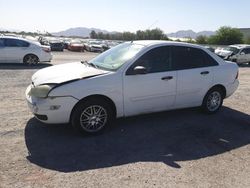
(96, 96)
(221, 87)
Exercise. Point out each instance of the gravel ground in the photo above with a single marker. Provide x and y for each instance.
(183, 148)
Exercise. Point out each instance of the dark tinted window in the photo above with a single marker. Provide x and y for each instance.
(16, 43)
(1, 42)
(246, 50)
(188, 58)
(155, 60)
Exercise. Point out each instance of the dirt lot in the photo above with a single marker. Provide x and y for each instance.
(183, 148)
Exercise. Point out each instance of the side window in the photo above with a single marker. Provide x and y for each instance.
(1, 43)
(21, 43)
(16, 43)
(244, 51)
(248, 51)
(209, 61)
(155, 60)
(188, 58)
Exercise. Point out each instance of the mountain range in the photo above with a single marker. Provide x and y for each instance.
(79, 31)
(190, 34)
(84, 32)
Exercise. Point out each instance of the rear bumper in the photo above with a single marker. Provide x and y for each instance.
(45, 57)
(231, 88)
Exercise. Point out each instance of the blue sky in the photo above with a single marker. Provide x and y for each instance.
(125, 15)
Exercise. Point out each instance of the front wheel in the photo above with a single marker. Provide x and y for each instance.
(92, 116)
(213, 101)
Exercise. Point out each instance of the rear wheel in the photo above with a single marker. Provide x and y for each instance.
(213, 100)
(92, 116)
(31, 59)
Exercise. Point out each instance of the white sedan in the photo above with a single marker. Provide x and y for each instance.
(132, 78)
(19, 50)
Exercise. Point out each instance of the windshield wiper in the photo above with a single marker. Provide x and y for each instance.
(89, 64)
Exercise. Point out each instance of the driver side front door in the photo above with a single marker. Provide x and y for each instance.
(153, 90)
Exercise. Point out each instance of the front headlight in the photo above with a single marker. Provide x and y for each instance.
(41, 91)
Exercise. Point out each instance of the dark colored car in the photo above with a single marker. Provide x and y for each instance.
(56, 46)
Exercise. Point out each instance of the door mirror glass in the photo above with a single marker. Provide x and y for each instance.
(140, 70)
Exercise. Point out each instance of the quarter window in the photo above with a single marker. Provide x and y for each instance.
(155, 60)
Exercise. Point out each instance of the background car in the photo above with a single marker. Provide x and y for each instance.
(241, 55)
(76, 46)
(130, 79)
(95, 46)
(225, 51)
(18, 50)
(56, 46)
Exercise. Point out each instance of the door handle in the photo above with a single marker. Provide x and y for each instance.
(204, 72)
(167, 78)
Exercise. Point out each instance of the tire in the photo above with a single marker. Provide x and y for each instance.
(92, 116)
(30, 59)
(213, 101)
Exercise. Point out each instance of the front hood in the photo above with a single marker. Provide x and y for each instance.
(63, 73)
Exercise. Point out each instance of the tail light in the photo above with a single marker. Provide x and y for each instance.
(46, 49)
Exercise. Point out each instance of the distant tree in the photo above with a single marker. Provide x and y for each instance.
(100, 35)
(93, 34)
(139, 35)
(201, 39)
(226, 36)
(154, 34)
(247, 40)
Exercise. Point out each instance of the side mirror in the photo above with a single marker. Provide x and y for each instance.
(140, 70)
(242, 53)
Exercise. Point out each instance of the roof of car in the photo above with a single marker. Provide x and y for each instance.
(240, 46)
(155, 42)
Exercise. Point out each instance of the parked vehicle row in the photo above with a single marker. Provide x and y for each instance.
(132, 78)
(14, 50)
(79, 45)
(239, 54)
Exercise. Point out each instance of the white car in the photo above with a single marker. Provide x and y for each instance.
(18, 50)
(132, 78)
(224, 52)
(241, 54)
(238, 53)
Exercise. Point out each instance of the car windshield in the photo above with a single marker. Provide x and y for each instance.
(114, 58)
(232, 49)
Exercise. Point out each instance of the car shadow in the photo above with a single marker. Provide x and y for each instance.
(17, 66)
(167, 137)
